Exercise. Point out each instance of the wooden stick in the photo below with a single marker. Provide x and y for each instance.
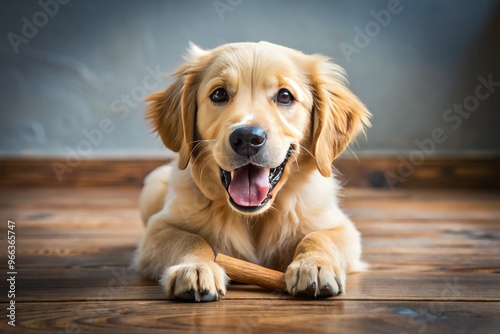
(246, 272)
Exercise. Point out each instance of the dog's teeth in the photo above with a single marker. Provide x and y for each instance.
(225, 178)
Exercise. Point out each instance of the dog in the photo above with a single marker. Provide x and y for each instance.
(257, 127)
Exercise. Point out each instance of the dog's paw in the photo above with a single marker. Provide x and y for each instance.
(314, 277)
(195, 282)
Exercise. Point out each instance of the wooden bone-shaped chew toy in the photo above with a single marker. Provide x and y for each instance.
(246, 272)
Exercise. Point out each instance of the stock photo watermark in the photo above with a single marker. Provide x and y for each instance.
(121, 108)
(248, 324)
(224, 6)
(30, 27)
(363, 37)
(421, 318)
(453, 117)
(121, 278)
(11, 272)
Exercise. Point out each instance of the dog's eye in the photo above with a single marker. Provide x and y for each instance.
(219, 95)
(284, 97)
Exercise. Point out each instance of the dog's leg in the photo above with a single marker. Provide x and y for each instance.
(182, 261)
(321, 261)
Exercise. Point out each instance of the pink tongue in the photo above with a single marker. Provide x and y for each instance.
(249, 185)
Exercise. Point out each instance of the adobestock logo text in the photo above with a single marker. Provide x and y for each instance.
(31, 26)
(121, 108)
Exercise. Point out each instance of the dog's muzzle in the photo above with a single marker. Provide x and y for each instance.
(249, 186)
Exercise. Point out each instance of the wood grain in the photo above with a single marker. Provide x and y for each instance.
(432, 172)
(123, 283)
(40, 172)
(433, 255)
(236, 316)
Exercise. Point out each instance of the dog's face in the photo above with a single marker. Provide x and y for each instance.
(247, 115)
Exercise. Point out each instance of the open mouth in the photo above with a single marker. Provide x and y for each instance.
(249, 186)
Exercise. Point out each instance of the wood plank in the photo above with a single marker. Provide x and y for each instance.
(61, 223)
(31, 204)
(104, 208)
(234, 316)
(46, 199)
(123, 283)
(73, 251)
(119, 221)
(372, 172)
(115, 223)
(42, 172)
(100, 250)
(434, 172)
(422, 204)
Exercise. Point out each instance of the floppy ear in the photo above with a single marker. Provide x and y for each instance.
(338, 115)
(173, 111)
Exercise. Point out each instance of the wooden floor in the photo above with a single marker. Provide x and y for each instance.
(434, 255)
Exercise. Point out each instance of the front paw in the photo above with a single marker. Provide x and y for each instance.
(195, 282)
(314, 277)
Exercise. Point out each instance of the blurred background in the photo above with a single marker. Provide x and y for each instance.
(70, 67)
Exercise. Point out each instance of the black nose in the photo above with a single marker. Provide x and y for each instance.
(247, 141)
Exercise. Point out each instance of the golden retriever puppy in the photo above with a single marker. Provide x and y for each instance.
(257, 127)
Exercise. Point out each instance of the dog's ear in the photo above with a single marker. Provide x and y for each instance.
(173, 111)
(337, 116)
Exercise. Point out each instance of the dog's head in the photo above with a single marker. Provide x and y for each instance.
(246, 115)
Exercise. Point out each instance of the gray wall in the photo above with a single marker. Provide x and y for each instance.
(75, 72)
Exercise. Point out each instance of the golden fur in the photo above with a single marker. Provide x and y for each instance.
(301, 230)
